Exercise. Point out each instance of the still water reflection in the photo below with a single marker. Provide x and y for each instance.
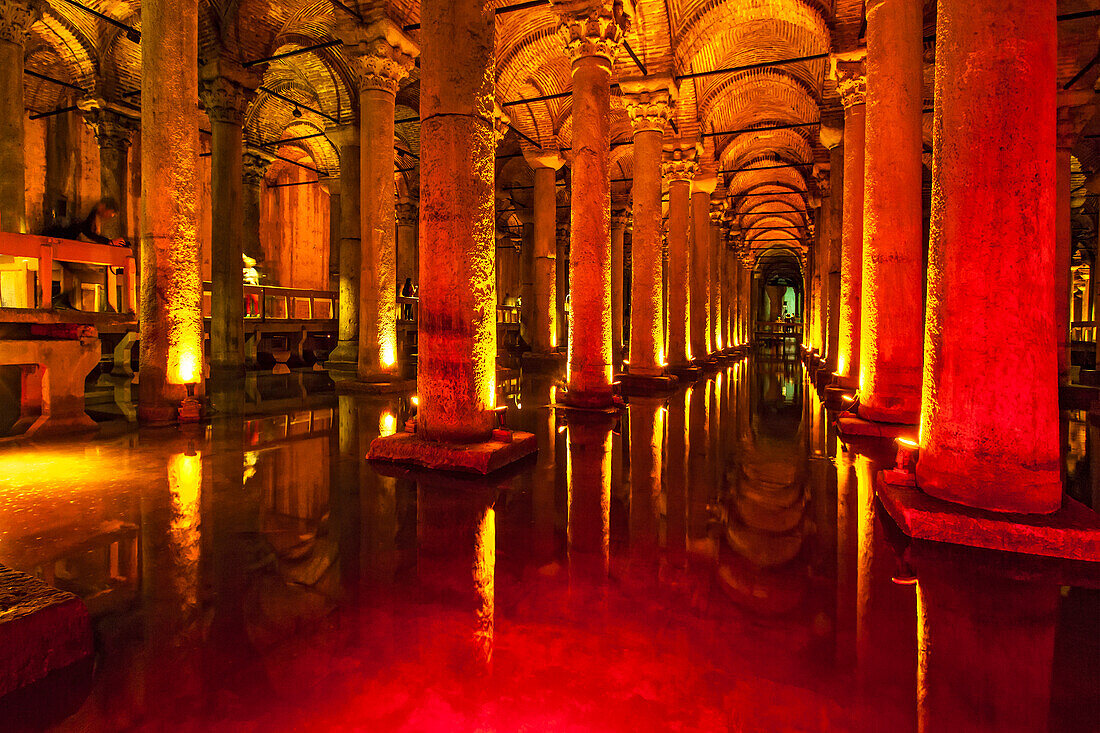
(714, 560)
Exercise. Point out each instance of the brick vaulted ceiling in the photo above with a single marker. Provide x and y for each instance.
(675, 37)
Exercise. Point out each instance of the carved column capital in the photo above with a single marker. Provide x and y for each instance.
(255, 165)
(382, 55)
(501, 123)
(226, 89)
(650, 102)
(112, 128)
(680, 164)
(16, 17)
(849, 71)
(593, 27)
(406, 214)
(620, 219)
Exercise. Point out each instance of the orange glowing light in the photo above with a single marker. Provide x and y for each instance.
(387, 425)
(908, 443)
(183, 365)
(415, 400)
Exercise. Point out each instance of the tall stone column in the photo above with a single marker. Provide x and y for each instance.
(620, 220)
(848, 70)
(699, 317)
(892, 304)
(16, 17)
(561, 280)
(225, 91)
(993, 204)
(331, 185)
(171, 279)
(679, 169)
(407, 260)
(1074, 112)
(254, 168)
(833, 140)
(593, 34)
(345, 357)
(649, 103)
(457, 340)
(717, 275)
(114, 132)
(383, 57)
(544, 308)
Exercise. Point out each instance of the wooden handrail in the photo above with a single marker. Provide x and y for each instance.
(47, 250)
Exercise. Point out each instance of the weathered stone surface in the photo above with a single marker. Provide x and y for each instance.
(54, 404)
(482, 458)
(42, 629)
(850, 425)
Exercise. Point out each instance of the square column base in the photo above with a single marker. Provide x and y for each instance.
(1072, 532)
(479, 458)
(356, 386)
(834, 397)
(852, 426)
(42, 629)
(686, 372)
(637, 384)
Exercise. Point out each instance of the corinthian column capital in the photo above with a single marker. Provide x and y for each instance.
(680, 164)
(226, 89)
(382, 55)
(649, 101)
(112, 128)
(849, 71)
(594, 27)
(16, 17)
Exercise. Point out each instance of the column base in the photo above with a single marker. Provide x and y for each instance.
(344, 358)
(480, 458)
(838, 398)
(1072, 532)
(686, 372)
(43, 630)
(849, 425)
(355, 385)
(542, 361)
(640, 384)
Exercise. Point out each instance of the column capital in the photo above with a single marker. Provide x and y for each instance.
(823, 177)
(501, 122)
(406, 214)
(593, 27)
(256, 162)
(343, 136)
(620, 218)
(717, 211)
(226, 89)
(1075, 109)
(830, 135)
(16, 17)
(849, 70)
(112, 127)
(382, 54)
(704, 182)
(544, 158)
(680, 164)
(649, 101)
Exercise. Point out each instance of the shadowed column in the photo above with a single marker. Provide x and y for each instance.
(345, 356)
(114, 132)
(679, 169)
(699, 315)
(544, 309)
(16, 17)
(1074, 112)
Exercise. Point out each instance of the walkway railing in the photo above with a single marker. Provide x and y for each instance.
(272, 303)
(36, 290)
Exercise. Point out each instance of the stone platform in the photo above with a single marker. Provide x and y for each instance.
(849, 425)
(833, 397)
(356, 386)
(1072, 532)
(478, 458)
(637, 384)
(542, 362)
(42, 629)
(687, 373)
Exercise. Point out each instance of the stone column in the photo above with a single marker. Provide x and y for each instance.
(544, 309)
(114, 132)
(679, 169)
(833, 141)
(993, 204)
(1074, 112)
(16, 17)
(171, 279)
(225, 91)
(699, 317)
(457, 339)
(407, 260)
(620, 220)
(331, 186)
(345, 357)
(848, 69)
(593, 35)
(649, 103)
(383, 57)
(892, 304)
(561, 280)
(717, 275)
(254, 167)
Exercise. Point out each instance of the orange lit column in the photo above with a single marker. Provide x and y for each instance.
(345, 356)
(717, 275)
(649, 103)
(993, 204)
(457, 340)
(593, 39)
(832, 137)
(700, 301)
(406, 215)
(892, 305)
(171, 281)
(848, 69)
(620, 220)
(1074, 112)
(384, 56)
(224, 92)
(16, 17)
(679, 169)
(114, 132)
(544, 335)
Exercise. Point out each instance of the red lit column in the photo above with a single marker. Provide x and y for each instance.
(717, 271)
(679, 169)
(620, 220)
(989, 413)
(832, 137)
(1074, 112)
(457, 339)
(544, 333)
(848, 70)
(16, 17)
(345, 356)
(700, 299)
(892, 305)
(171, 281)
(593, 39)
(649, 103)
(383, 56)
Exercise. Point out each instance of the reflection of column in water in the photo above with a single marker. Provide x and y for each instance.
(847, 516)
(377, 497)
(1093, 450)
(885, 611)
(986, 649)
(542, 480)
(647, 428)
(183, 547)
(589, 486)
(456, 565)
(701, 476)
(676, 473)
(345, 494)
